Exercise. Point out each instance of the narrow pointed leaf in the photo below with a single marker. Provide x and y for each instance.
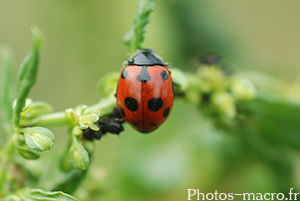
(27, 74)
(134, 38)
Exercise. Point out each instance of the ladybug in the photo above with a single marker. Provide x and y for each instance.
(145, 91)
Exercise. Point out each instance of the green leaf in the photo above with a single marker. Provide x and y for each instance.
(27, 194)
(6, 92)
(27, 74)
(70, 182)
(24, 150)
(135, 36)
(276, 122)
(108, 84)
(179, 79)
(38, 138)
(78, 156)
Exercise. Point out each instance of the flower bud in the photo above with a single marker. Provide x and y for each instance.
(77, 131)
(211, 79)
(225, 103)
(70, 114)
(88, 120)
(193, 97)
(38, 138)
(243, 89)
(78, 156)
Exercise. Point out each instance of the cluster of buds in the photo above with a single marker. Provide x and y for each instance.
(31, 140)
(216, 91)
(81, 149)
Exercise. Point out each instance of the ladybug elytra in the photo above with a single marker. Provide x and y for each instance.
(145, 91)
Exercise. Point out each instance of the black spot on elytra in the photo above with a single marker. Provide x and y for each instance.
(166, 112)
(144, 75)
(153, 124)
(131, 104)
(155, 104)
(134, 123)
(124, 74)
(122, 111)
(164, 75)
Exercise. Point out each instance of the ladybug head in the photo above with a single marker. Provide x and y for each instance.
(146, 57)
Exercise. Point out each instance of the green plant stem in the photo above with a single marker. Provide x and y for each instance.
(9, 150)
(105, 106)
(6, 157)
(60, 119)
(71, 181)
(48, 120)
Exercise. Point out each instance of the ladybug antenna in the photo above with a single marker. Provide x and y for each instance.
(129, 54)
(160, 52)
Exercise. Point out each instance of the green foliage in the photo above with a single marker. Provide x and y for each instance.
(262, 116)
(27, 194)
(71, 181)
(108, 84)
(179, 80)
(27, 74)
(134, 38)
(24, 150)
(6, 92)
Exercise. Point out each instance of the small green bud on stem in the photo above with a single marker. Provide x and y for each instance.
(78, 156)
(38, 138)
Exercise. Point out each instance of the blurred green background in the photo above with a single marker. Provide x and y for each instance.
(83, 42)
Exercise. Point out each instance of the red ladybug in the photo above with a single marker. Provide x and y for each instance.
(145, 91)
